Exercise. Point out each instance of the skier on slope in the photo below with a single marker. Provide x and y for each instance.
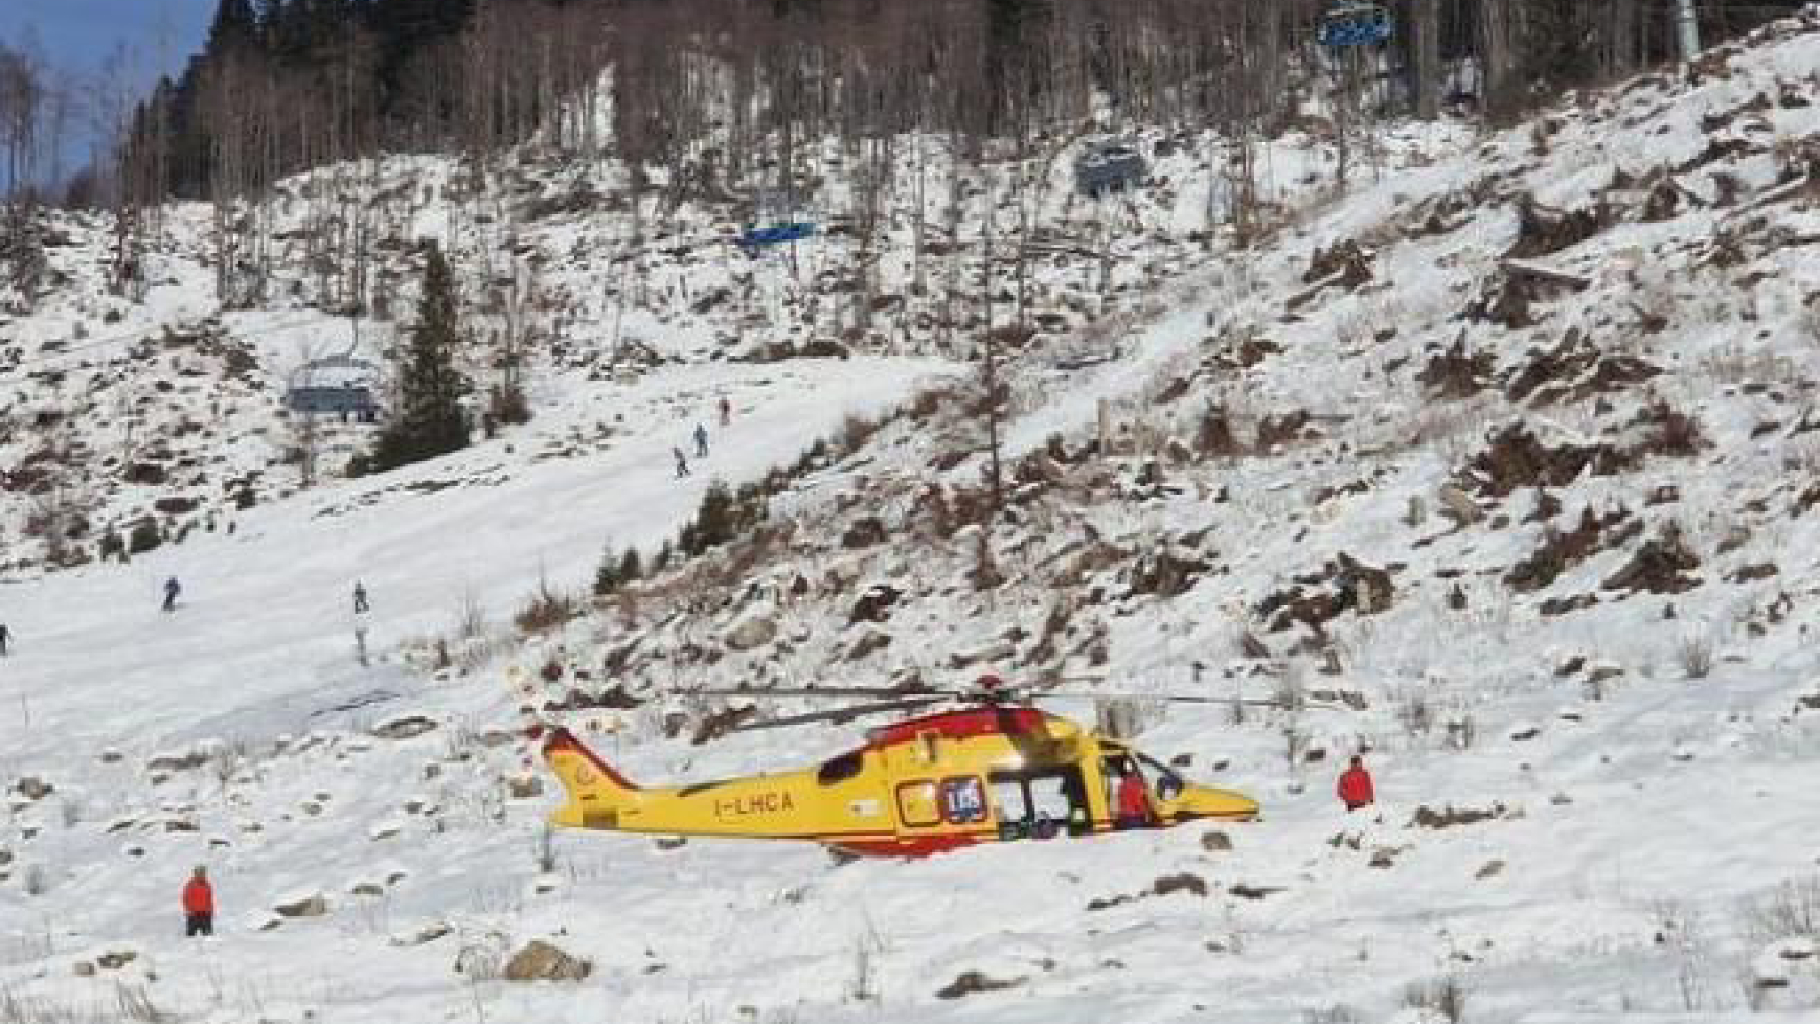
(726, 411)
(171, 589)
(6, 637)
(701, 441)
(360, 598)
(682, 462)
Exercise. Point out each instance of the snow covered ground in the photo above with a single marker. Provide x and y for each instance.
(1595, 768)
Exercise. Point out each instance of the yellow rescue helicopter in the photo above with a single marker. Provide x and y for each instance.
(994, 769)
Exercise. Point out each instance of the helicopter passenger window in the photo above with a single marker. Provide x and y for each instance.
(840, 769)
(1012, 804)
(963, 800)
(917, 804)
(1049, 797)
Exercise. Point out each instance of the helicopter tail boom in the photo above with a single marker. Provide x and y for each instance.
(596, 792)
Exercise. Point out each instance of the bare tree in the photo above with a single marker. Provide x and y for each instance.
(22, 101)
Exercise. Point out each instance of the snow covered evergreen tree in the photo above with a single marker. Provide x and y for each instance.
(429, 420)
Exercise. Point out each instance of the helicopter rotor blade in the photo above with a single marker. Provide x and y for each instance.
(829, 693)
(840, 714)
(1160, 697)
(1175, 698)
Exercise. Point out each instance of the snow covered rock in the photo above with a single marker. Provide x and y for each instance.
(404, 728)
(428, 933)
(306, 906)
(541, 961)
(178, 762)
(875, 604)
(871, 642)
(865, 533)
(755, 627)
(971, 982)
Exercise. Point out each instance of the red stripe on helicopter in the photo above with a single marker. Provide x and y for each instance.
(920, 846)
(959, 725)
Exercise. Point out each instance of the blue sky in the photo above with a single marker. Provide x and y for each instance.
(79, 34)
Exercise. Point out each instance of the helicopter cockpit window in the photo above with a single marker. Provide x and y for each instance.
(1167, 784)
(840, 769)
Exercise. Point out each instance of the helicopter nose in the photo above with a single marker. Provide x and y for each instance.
(1225, 804)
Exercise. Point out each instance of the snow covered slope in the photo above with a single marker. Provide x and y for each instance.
(1529, 496)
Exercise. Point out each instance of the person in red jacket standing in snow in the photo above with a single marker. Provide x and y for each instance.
(198, 905)
(1355, 785)
(1133, 801)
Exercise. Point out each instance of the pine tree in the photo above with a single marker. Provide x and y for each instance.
(715, 521)
(430, 420)
(606, 575)
(232, 28)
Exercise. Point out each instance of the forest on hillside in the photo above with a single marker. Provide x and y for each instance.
(281, 85)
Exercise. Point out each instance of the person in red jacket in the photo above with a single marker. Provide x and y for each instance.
(198, 905)
(1133, 800)
(1355, 785)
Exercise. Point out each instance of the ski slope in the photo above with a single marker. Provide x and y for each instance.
(265, 627)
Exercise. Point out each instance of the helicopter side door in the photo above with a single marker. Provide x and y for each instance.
(1041, 802)
(938, 800)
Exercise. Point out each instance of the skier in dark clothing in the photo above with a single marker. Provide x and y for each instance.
(701, 441)
(360, 598)
(6, 637)
(726, 411)
(171, 589)
(682, 463)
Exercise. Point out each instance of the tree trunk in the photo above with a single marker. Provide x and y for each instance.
(1426, 24)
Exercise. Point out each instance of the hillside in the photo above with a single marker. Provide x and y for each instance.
(1504, 455)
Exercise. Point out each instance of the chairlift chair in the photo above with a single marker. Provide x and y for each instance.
(783, 225)
(1349, 24)
(755, 238)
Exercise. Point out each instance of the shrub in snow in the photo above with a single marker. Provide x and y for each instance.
(1440, 1000)
(1792, 911)
(144, 537)
(545, 609)
(1695, 656)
